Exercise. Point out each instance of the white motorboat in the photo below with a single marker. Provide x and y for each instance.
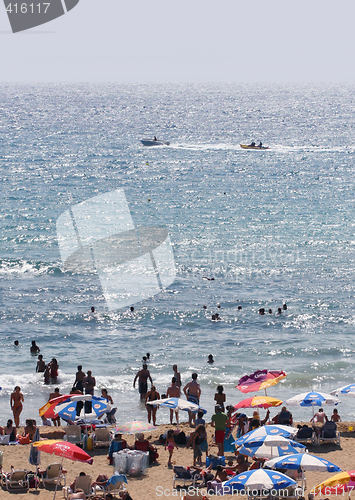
(154, 142)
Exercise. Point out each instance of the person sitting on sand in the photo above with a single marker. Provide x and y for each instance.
(117, 444)
(9, 430)
(335, 417)
(142, 444)
(320, 417)
(28, 433)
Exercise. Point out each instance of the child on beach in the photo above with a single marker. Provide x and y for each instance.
(170, 443)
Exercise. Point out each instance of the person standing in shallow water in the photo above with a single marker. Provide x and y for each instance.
(16, 404)
(34, 349)
(143, 375)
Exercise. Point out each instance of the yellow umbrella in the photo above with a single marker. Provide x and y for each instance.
(337, 484)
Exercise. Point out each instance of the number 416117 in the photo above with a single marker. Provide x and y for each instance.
(24, 8)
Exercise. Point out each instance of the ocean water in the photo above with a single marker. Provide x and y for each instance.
(269, 226)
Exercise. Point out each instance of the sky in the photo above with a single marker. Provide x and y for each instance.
(185, 41)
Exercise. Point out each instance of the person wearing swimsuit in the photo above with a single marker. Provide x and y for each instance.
(152, 395)
(170, 444)
(16, 404)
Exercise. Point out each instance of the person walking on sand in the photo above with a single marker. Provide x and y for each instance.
(143, 375)
(170, 443)
(173, 392)
(16, 404)
(192, 391)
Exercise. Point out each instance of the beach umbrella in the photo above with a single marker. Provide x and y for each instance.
(35, 454)
(134, 427)
(258, 402)
(265, 430)
(348, 390)
(67, 409)
(261, 379)
(337, 484)
(177, 404)
(63, 449)
(272, 446)
(302, 461)
(313, 398)
(47, 409)
(258, 480)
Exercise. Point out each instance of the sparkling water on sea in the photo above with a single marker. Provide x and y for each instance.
(269, 226)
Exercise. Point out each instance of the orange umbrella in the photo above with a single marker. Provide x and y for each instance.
(261, 379)
(258, 402)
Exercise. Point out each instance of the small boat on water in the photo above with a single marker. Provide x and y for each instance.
(154, 142)
(249, 146)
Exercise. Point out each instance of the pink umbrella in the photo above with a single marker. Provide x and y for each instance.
(261, 379)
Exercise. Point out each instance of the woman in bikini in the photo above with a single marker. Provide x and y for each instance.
(16, 404)
(152, 395)
(53, 365)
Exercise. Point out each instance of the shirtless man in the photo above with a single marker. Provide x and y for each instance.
(79, 377)
(143, 375)
(173, 392)
(192, 392)
(89, 383)
(41, 365)
(34, 349)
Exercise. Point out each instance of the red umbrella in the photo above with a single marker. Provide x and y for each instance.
(63, 449)
(261, 379)
(47, 410)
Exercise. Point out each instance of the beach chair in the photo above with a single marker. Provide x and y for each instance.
(82, 482)
(184, 475)
(102, 437)
(16, 480)
(73, 435)
(306, 435)
(53, 475)
(329, 433)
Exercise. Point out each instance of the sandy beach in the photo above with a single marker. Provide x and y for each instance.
(159, 475)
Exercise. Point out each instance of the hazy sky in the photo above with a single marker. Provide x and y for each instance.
(185, 40)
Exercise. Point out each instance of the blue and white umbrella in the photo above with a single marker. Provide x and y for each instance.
(177, 404)
(266, 430)
(348, 390)
(313, 398)
(302, 461)
(67, 409)
(258, 480)
(272, 446)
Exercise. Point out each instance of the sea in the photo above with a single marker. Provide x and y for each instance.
(256, 229)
